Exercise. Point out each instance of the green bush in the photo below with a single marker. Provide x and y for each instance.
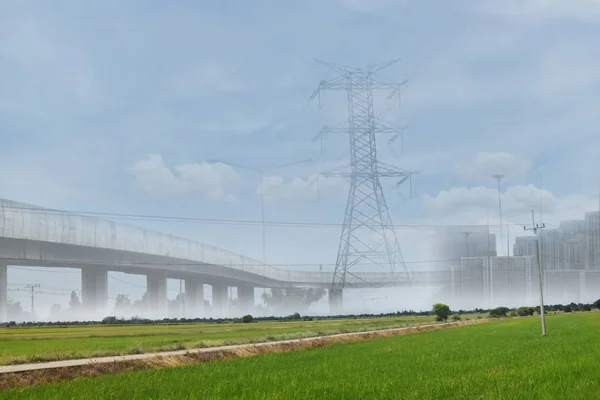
(247, 318)
(567, 309)
(525, 311)
(512, 314)
(499, 312)
(456, 317)
(441, 311)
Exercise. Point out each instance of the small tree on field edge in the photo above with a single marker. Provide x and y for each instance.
(597, 303)
(247, 319)
(441, 311)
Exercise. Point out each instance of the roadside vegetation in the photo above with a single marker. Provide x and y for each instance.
(502, 359)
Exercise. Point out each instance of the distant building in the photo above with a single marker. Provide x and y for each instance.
(511, 280)
(493, 281)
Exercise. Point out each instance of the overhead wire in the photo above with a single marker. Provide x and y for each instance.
(224, 221)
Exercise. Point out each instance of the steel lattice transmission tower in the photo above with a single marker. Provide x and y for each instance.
(368, 236)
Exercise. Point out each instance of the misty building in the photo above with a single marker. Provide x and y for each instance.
(566, 286)
(454, 244)
(492, 281)
(571, 246)
(474, 274)
(592, 240)
(524, 246)
(511, 280)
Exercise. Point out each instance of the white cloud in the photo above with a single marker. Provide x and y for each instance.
(487, 164)
(554, 9)
(480, 200)
(464, 205)
(278, 189)
(213, 180)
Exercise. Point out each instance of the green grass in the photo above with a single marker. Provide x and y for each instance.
(505, 359)
(35, 344)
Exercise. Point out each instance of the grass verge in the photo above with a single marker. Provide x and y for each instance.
(39, 377)
(26, 345)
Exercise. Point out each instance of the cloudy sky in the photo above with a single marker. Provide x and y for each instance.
(137, 107)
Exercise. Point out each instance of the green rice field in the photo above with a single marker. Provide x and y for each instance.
(504, 359)
(35, 344)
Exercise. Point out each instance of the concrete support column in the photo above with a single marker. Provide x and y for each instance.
(156, 287)
(194, 298)
(219, 299)
(336, 301)
(94, 290)
(246, 299)
(3, 292)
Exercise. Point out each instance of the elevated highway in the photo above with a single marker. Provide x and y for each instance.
(35, 236)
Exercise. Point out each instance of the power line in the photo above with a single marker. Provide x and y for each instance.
(223, 221)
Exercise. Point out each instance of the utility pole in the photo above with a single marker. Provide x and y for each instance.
(467, 241)
(32, 287)
(498, 178)
(368, 233)
(535, 228)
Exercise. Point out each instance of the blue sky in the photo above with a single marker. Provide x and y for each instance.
(118, 107)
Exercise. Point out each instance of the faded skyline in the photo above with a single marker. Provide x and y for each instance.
(124, 108)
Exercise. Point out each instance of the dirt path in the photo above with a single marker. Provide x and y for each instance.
(103, 360)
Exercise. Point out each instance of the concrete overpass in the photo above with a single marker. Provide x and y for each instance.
(35, 236)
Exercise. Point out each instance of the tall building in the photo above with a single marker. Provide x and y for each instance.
(511, 280)
(592, 240)
(493, 281)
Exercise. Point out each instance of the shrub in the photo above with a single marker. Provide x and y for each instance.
(498, 312)
(567, 309)
(587, 307)
(247, 318)
(525, 311)
(456, 317)
(441, 311)
(512, 314)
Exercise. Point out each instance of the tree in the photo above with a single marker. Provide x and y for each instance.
(567, 309)
(441, 311)
(141, 305)
(596, 303)
(14, 310)
(55, 312)
(525, 311)
(122, 301)
(74, 302)
(499, 312)
(292, 299)
(247, 319)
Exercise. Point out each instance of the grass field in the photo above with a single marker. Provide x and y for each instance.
(34, 344)
(505, 359)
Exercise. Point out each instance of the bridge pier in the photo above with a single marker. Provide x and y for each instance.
(336, 301)
(156, 286)
(246, 299)
(94, 290)
(194, 298)
(219, 300)
(3, 292)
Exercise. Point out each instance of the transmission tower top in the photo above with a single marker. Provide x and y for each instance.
(368, 236)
